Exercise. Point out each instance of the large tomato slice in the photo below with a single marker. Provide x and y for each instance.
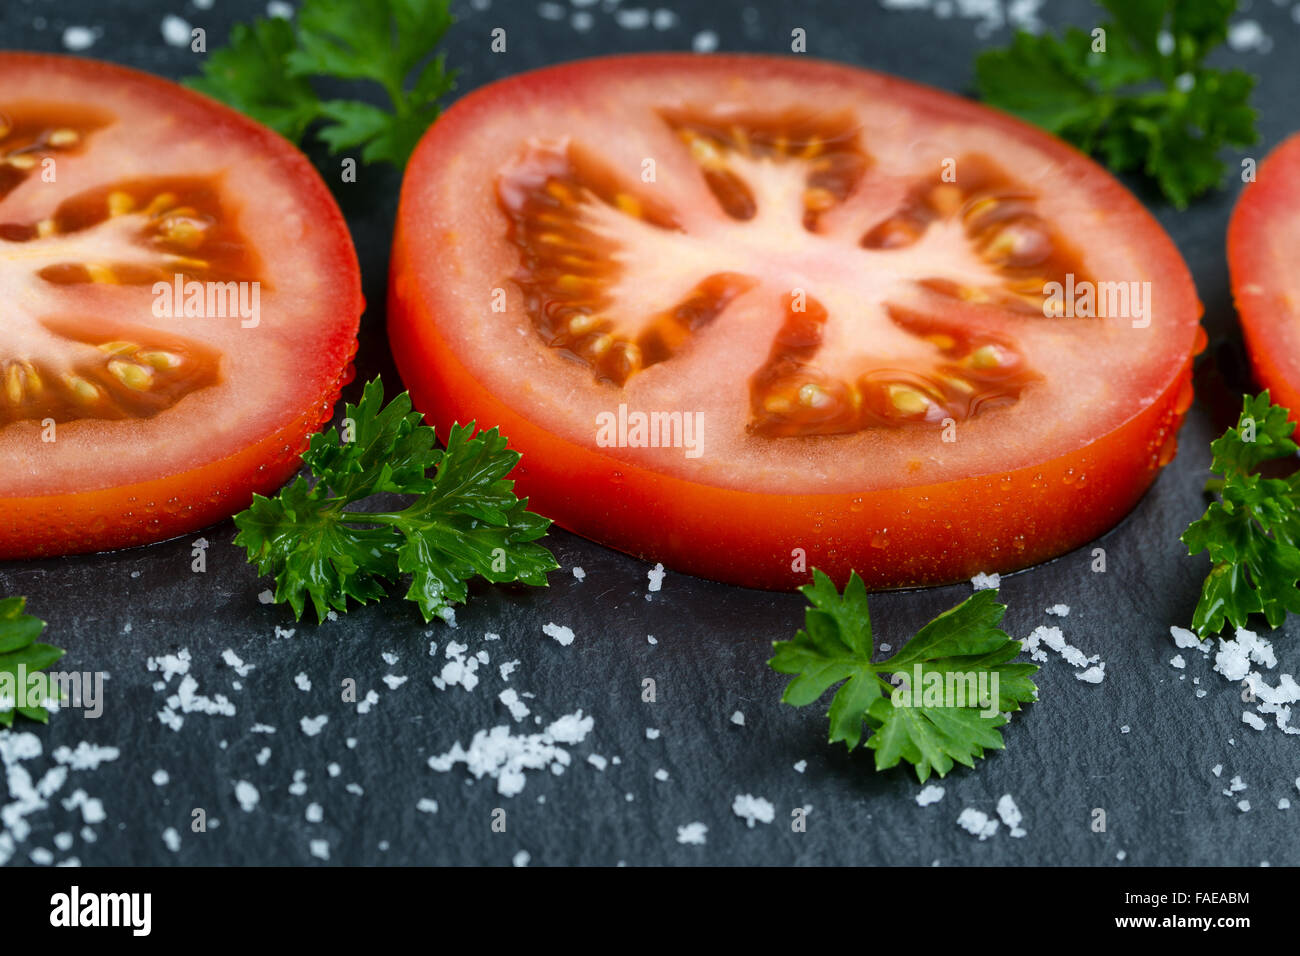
(1263, 252)
(121, 423)
(777, 253)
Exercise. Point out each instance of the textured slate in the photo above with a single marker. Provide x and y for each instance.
(1065, 756)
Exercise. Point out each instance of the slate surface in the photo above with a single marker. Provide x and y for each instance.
(1065, 756)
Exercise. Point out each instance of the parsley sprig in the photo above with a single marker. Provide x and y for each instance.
(465, 519)
(835, 647)
(1148, 102)
(265, 71)
(1252, 532)
(18, 646)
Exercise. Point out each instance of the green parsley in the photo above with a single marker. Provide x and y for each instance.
(18, 646)
(464, 521)
(265, 72)
(1252, 532)
(1148, 102)
(836, 648)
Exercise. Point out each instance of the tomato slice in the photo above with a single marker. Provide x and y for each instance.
(132, 409)
(1263, 247)
(819, 291)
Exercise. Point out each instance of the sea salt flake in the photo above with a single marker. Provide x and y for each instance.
(1010, 815)
(311, 726)
(504, 757)
(87, 756)
(77, 39)
(175, 31)
(977, 823)
(929, 794)
(693, 834)
(706, 41)
(753, 809)
(247, 796)
(561, 634)
(510, 698)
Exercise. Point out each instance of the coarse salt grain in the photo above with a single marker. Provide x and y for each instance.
(563, 635)
(977, 823)
(929, 794)
(78, 38)
(311, 726)
(175, 31)
(693, 834)
(247, 796)
(753, 809)
(1010, 815)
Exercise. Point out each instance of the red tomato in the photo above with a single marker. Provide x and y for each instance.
(129, 414)
(1263, 247)
(818, 290)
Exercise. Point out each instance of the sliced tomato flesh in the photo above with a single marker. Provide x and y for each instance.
(181, 301)
(1263, 248)
(846, 302)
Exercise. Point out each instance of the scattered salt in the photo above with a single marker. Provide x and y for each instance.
(928, 795)
(562, 634)
(977, 823)
(753, 809)
(693, 834)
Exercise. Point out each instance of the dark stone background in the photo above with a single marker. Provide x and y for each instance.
(1065, 756)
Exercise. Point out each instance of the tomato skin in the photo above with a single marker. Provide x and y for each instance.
(1258, 291)
(130, 513)
(894, 538)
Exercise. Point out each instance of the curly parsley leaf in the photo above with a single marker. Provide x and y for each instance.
(1252, 531)
(464, 521)
(265, 72)
(951, 671)
(18, 647)
(251, 75)
(1145, 102)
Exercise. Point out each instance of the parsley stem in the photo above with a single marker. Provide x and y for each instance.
(371, 517)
